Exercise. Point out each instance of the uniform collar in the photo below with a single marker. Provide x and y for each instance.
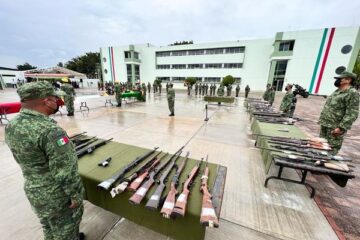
(34, 113)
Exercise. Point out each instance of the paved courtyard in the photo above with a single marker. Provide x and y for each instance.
(249, 211)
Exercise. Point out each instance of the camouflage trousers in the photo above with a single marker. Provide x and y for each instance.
(118, 98)
(246, 94)
(69, 103)
(335, 142)
(171, 104)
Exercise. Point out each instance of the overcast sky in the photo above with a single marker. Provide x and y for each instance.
(45, 32)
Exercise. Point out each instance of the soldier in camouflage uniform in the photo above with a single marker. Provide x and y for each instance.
(214, 89)
(196, 88)
(237, 90)
(221, 91)
(48, 162)
(287, 101)
(206, 89)
(69, 98)
(171, 100)
(160, 87)
(149, 87)
(271, 96)
(143, 89)
(247, 90)
(340, 111)
(228, 90)
(118, 94)
(266, 93)
(167, 86)
(154, 87)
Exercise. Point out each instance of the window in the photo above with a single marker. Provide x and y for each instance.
(215, 51)
(199, 79)
(137, 72)
(237, 80)
(163, 66)
(346, 49)
(178, 79)
(280, 68)
(286, 46)
(162, 54)
(212, 79)
(105, 71)
(127, 54)
(136, 55)
(128, 71)
(340, 69)
(196, 52)
(235, 50)
(178, 66)
(193, 66)
(178, 53)
(233, 65)
(164, 79)
(213, 65)
(104, 59)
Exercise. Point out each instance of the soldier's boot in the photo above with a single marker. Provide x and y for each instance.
(171, 114)
(70, 114)
(82, 236)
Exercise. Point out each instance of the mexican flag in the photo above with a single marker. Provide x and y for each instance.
(62, 141)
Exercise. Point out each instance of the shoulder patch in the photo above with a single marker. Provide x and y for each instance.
(62, 141)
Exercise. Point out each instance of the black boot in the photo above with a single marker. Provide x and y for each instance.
(172, 114)
(82, 236)
(70, 114)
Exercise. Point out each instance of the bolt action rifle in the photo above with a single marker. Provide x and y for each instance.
(105, 185)
(181, 202)
(90, 149)
(208, 216)
(171, 196)
(314, 141)
(138, 196)
(308, 145)
(124, 182)
(154, 201)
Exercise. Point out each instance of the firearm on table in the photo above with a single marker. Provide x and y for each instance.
(76, 135)
(275, 121)
(140, 193)
(181, 202)
(313, 141)
(325, 147)
(273, 114)
(208, 216)
(86, 142)
(105, 185)
(90, 149)
(135, 184)
(154, 201)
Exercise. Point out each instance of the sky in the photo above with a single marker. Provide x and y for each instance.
(45, 32)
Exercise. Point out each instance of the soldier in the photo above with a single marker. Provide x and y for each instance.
(271, 95)
(167, 87)
(266, 93)
(69, 98)
(206, 89)
(143, 90)
(48, 162)
(340, 111)
(171, 100)
(211, 89)
(203, 89)
(287, 103)
(221, 91)
(189, 89)
(200, 88)
(118, 94)
(149, 87)
(154, 87)
(228, 90)
(160, 87)
(237, 90)
(196, 88)
(247, 90)
(214, 90)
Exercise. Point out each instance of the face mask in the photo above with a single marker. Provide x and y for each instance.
(55, 110)
(337, 82)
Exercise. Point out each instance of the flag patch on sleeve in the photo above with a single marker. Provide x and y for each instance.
(62, 141)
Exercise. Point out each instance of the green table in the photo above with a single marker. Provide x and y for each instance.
(181, 228)
(271, 129)
(219, 99)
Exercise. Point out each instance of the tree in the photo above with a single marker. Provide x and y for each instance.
(85, 64)
(60, 64)
(228, 80)
(157, 82)
(191, 81)
(356, 70)
(25, 66)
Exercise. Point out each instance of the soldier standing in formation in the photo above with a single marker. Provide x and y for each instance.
(200, 88)
(48, 162)
(247, 90)
(206, 89)
(196, 88)
(266, 93)
(160, 87)
(271, 95)
(228, 90)
(69, 98)
(214, 89)
(143, 89)
(154, 87)
(203, 89)
(171, 100)
(287, 103)
(189, 88)
(118, 94)
(149, 87)
(340, 111)
(237, 90)
(221, 91)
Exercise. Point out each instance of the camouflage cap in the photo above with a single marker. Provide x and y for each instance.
(346, 74)
(36, 90)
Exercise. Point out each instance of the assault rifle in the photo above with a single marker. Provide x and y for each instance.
(87, 142)
(90, 149)
(208, 216)
(154, 201)
(181, 202)
(105, 185)
(170, 199)
(123, 183)
(138, 196)
(135, 184)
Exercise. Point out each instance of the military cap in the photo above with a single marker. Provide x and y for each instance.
(346, 74)
(36, 90)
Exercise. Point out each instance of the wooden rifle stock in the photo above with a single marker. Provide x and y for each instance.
(137, 182)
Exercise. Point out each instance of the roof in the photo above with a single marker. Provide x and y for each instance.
(53, 72)
(11, 69)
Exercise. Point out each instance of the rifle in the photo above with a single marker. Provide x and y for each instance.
(295, 140)
(273, 114)
(140, 178)
(87, 150)
(76, 135)
(105, 185)
(87, 142)
(154, 201)
(170, 199)
(308, 145)
(181, 202)
(208, 216)
(138, 196)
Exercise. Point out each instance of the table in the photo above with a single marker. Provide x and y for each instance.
(219, 99)
(181, 228)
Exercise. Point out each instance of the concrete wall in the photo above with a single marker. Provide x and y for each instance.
(9, 75)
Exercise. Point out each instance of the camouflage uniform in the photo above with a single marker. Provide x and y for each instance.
(266, 95)
(214, 89)
(220, 91)
(340, 111)
(149, 87)
(143, 88)
(118, 94)
(287, 104)
(49, 165)
(247, 90)
(160, 87)
(167, 87)
(206, 89)
(237, 90)
(196, 88)
(69, 98)
(171, 100)
(271, 96)
(228, 90)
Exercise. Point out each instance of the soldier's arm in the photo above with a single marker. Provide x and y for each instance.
(63, 163)
(352, 111)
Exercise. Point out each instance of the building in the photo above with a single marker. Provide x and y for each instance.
(10, 76)
(310, 58)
